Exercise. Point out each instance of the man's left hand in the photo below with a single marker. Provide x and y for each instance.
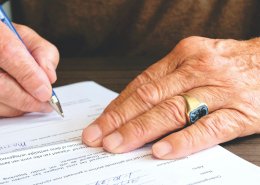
(225, 74)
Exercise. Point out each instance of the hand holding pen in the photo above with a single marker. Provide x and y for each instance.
(27, 69)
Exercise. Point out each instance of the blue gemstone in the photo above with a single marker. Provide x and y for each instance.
(198, 113)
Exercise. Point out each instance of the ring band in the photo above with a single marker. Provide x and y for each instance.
(194, 108)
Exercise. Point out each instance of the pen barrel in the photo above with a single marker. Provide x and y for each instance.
(4, 18)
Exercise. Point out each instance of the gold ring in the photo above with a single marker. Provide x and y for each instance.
(194, 108)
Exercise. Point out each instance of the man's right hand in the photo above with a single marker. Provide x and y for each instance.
(26, 71)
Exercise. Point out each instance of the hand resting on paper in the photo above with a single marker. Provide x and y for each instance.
(225, 74)
(26, 73)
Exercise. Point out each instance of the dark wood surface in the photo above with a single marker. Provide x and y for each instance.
(115, 73)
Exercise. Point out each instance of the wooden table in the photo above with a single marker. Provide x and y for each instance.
(116, 72)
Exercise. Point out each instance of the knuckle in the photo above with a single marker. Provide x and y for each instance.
(190, 46)
(54, 55)
(214, 127)
(149, 94)
(138, 129)
(223, 125)
(193, 38)
(174, 112)
(187, 41)
(7, 50)
(144, 77)
(188, 138)
(26, 73)
(114, 119)
(22, 28)
(222, 45)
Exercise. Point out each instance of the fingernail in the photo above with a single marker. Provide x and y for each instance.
(92, 133)
(162, 148)
(46, 108)
(113, 141)
(42, 93)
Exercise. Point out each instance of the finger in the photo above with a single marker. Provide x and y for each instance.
(18, 62)
(14, 96)
(166, 117)
(218, 127)
(6, 111)
(142, 100)
(45, 53)
(160, 120)
(156, 71)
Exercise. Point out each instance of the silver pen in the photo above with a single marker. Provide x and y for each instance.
(54, 101)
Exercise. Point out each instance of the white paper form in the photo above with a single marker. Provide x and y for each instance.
(66, 161)
(73, 163)
(81, 103)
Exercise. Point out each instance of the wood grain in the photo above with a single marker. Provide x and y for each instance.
(115, 73)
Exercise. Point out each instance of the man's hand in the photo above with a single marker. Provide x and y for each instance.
(225, 74)
(26, 72)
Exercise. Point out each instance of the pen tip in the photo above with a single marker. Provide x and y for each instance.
(55, 103)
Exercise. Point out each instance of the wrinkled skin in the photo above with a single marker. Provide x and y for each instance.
(225, 74)
(26, 73)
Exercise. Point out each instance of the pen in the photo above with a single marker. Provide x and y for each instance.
(54, 101)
